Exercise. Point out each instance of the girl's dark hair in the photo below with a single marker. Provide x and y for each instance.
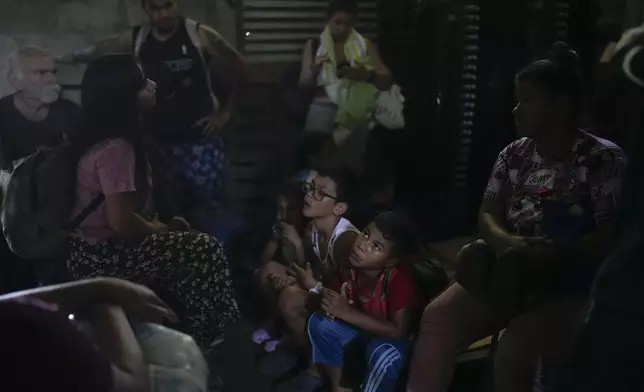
(401, 231)
(109, 104)
(348, 6)
(560, 73)
(109, 100)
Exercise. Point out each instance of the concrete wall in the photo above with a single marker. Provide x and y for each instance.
(65, 25)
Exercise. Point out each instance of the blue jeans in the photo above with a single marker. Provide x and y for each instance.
(385, 357)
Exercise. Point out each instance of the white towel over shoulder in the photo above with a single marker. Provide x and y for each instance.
(355, 51)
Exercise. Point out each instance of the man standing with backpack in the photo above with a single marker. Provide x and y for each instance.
(186, 154)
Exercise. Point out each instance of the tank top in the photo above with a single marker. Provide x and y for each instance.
(183, 96)
(342, 227)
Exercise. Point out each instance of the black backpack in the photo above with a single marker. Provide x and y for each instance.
(38, 198)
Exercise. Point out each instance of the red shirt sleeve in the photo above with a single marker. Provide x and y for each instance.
(401, 291)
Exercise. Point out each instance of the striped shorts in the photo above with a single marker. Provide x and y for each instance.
(384, 358)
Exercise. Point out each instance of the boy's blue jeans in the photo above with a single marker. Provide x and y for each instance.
(385, 357)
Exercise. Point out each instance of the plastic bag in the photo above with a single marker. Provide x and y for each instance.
(389, 109)
(176, 364)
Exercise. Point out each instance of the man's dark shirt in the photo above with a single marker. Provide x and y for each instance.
(20, 137)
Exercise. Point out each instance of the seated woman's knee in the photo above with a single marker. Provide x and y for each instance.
(437, 314)
(444, 312)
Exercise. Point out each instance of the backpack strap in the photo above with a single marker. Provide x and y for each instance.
(71, 226)
(140, 36)
(192, 28)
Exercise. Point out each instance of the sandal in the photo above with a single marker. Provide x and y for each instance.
(261, 336)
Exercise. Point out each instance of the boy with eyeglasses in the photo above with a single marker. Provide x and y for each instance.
(322, 255)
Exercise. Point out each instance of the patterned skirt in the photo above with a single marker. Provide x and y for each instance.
(189, 267)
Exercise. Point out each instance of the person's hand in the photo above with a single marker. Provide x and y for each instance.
(280, 282)
(336, 305)
(630, 37)
(137, 301)
(159, 226)
(179, 224)
(213, 123)
(304, 275)
(358, 73)
(290, 234)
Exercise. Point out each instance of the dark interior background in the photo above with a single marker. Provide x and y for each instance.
(456, 61)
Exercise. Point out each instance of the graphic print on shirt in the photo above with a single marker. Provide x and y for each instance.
(541, 181)
(544, 183)
(586, 180)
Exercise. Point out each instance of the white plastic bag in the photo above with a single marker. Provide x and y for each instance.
(389, 109)
(175, 361)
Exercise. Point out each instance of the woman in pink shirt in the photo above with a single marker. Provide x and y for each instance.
(122, 237)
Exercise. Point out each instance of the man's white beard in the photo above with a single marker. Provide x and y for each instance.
(50, 93)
